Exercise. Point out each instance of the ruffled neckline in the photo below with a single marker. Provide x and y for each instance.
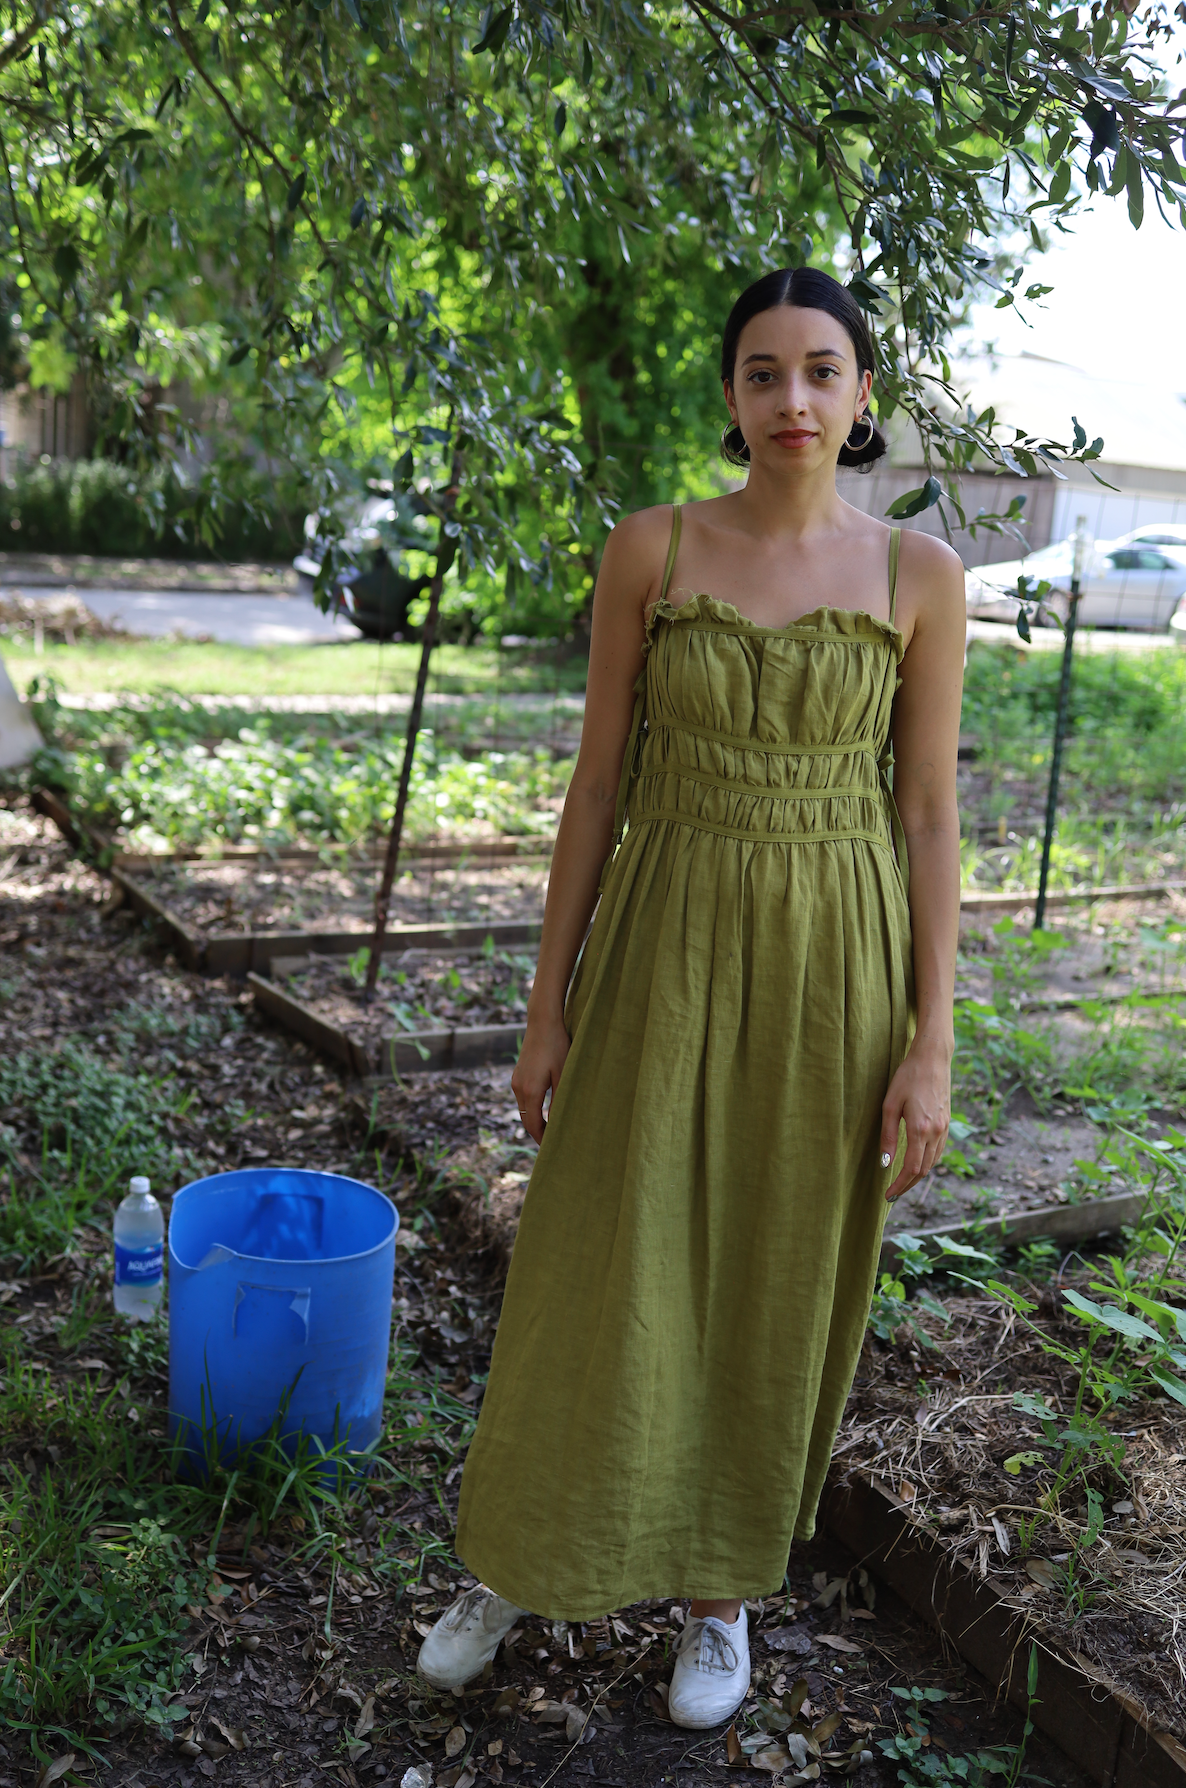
(848, 623)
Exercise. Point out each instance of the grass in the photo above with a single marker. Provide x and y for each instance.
(105, 1549)
(1122, 799)
(191, 667)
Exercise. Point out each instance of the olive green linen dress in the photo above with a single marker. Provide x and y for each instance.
(699, 1241)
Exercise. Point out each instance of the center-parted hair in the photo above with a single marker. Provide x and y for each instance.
(806, 288)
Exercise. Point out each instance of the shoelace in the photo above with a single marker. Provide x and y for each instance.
(466, 1606)
(716, 1651)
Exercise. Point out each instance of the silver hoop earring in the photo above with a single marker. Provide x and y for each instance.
(859, 446)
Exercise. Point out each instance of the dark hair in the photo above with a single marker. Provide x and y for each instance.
(807, 289)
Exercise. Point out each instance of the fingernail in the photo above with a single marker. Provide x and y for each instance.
(885, 1160)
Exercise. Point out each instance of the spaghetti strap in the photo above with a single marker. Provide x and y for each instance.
(895, 547)
(677, 522)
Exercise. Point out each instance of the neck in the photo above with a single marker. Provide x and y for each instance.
(798, 504)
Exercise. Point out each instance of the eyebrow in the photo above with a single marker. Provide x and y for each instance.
(816, 354)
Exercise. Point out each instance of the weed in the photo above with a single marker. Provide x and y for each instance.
(924, 1764)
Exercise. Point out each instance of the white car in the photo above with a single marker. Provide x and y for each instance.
(1136, 582)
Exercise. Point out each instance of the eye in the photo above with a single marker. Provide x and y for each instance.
(760, 375)
(827, 372)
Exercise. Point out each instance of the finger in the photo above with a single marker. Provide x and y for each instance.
(912, 1165)
(531, 1108)
(891, 1124)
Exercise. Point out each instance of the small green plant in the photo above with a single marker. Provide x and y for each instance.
(923, 1763)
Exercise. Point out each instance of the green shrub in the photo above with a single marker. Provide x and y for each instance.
(96, 506)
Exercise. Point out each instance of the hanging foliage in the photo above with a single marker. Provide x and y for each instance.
(399, 235)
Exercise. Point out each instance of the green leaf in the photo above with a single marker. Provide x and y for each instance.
(1080, 435)
(560, 120)
(1060, 186)
(913, 502)
(240, 354)
(494, 36)
(1136, 190)
(1104, 126)
(1122, 1321)
(1013, 1465)
(358, 212)
(1173, 1387)
(67, 262)
(296, 191)
(1023, 624)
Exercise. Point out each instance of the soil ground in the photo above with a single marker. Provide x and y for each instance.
(262, 1666)
(339, 895)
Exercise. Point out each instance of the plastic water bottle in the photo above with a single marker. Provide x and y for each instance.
(139, 1253)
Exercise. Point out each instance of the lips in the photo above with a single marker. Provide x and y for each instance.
(794, 437)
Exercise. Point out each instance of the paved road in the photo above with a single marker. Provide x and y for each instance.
(235, 620)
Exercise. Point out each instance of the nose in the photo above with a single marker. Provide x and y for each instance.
(791, 400)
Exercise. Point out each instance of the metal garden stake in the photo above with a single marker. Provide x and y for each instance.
(446, 553)
(1060, 718)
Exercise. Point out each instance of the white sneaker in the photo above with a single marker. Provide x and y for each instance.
(465, 1638)
(711, 1676)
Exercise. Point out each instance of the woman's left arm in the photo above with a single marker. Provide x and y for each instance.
(925, 738)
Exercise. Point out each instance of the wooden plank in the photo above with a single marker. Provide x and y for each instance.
(989, 902)
(1059, 1222)
(1092, 1721)
(303, 1023)
(189, 948)
(479, 850)
(407, 1052)
(256, 950)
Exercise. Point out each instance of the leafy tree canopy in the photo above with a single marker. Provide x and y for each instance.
(489, 250)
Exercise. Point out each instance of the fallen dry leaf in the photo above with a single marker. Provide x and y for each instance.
(796, 1640)
(494, 1748)
(454, 1741)
(822, 1733)
(1043, 1571)
(234, 1735)
(550, 1713)
(53, 1772)
(773, 1758)
(1002, 1534)
(366, 1719)
(835, 1643)
(733, 1746)
(576, 1722)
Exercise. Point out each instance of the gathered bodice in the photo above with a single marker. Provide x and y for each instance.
(774, 734)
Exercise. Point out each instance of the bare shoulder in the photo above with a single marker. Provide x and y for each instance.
(636, 550)
(931, 563)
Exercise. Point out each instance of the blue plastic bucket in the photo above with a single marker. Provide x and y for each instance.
(280, 1286)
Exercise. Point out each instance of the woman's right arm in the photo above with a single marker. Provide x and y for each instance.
(629, 578)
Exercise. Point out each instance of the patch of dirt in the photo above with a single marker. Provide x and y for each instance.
(339, 894)
(279, 1669)
(933, 1416)
(418, 990)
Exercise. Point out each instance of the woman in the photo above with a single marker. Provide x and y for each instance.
(754, 1054)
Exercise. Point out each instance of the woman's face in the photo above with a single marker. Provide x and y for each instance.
(796, 390)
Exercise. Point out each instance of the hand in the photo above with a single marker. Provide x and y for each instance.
(920, 1093)
(540, 1065)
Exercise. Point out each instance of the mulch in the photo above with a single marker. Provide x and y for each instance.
(313, 1691)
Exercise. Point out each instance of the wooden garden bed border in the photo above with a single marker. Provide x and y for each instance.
(407, 1052)
(1054, 1222)
(245, 953)
(1094, 1723)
